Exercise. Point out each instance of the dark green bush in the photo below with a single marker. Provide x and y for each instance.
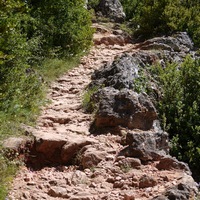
(157, 17)
(17, 86)
(63, 25)
(132, 8)
(180, 108)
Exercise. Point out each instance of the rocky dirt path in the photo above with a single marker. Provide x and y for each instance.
(95, 170)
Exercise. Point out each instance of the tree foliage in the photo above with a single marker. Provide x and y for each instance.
(131, 8)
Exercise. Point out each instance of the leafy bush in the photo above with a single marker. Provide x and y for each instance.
(16, 86)
(64, 26)
(156, 17)
(132, 8)
(180, 108)
(60, 27)
(29, 28)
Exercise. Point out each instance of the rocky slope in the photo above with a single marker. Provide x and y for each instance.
(70, 160)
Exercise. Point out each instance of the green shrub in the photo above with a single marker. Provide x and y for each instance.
(16, 86)
(132, 8)
(179, 108)
(161, 17)
(64, 26)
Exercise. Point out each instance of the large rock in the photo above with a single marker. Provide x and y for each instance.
(112, 9)
(111, 40)
(58, 192)
(179, 42)
(91, 155)
(110, 36)
(117, 103)
(169, 48)
(147, 181)
(54, 149)
(16, 146)
(169, 163)
(128, 71)
(125, 108)
(73, 146)
(186, 189)
(146, 145)
(127, 162)
(120, 74)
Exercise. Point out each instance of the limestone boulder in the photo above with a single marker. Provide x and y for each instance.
(186, 189)
(57, 149)
(146, 145)
(179, 42)
(169, 49)
(168, 163)
(120, 74)
(112, 9)
(91, 155)
(147, 181)
(125, 108)
(73, 146)
(17, 144)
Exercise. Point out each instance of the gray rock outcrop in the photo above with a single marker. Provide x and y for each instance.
(169, 49)
(112, 9)
(120, 74)
(125, 108)
(146, 145)
(121, 99)
(117, 103)
(168, 163)
(185, 190)
(179, 42)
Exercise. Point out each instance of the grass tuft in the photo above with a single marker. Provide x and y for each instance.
(53, 68)
(87, 103)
